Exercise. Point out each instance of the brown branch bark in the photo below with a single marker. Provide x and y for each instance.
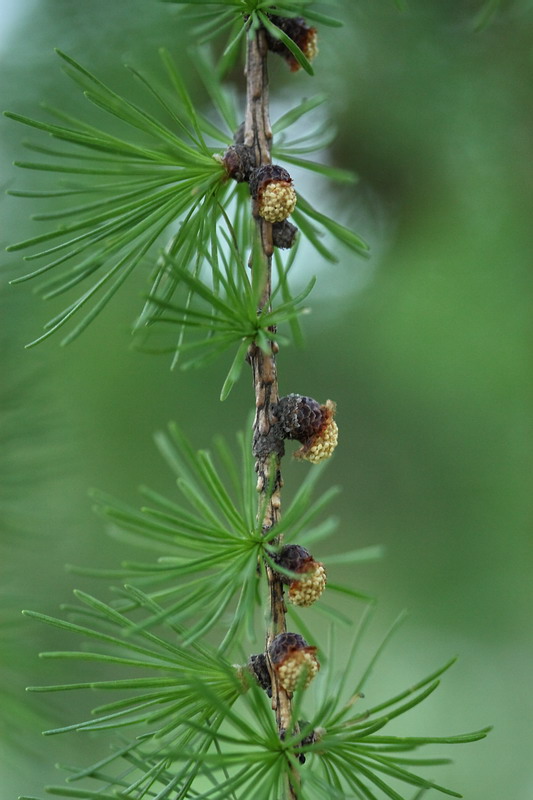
(268, 450)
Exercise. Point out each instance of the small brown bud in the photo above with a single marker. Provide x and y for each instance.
(301, 34)
(299, 416)
(292, 557)
(284, 234)
(292, 657)
(257, 665)
(308, 587)
(303, 419)
(273, 192)
(238, 161)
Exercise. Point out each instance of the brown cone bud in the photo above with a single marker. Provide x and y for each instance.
(292, 557)
(238, 161)
(299, 416)
(292, 657)
(257, 665)
(301, 34)
(284, 234)
(304, 590)
(273, 192)
(303, 419)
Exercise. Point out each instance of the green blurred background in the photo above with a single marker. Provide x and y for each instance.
(425, 347)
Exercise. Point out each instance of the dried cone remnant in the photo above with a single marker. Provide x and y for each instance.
(304, 590)
(310, 423)
(294, 660)
(301, 34)
(273, 192)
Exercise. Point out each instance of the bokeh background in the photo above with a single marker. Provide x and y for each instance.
(426, 347)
